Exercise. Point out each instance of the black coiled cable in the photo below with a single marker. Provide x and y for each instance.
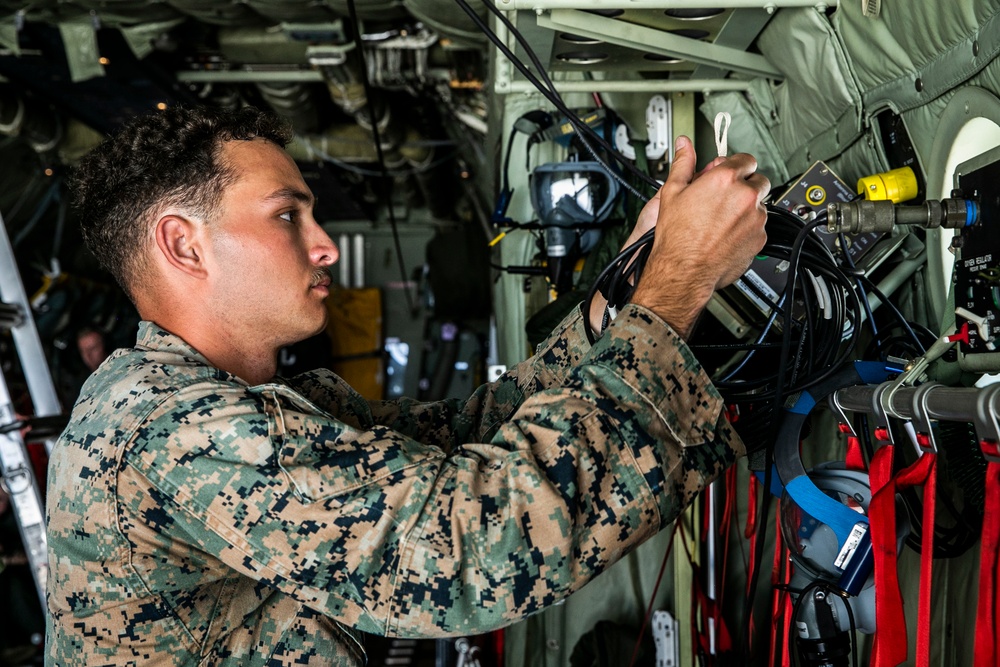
(824, 323)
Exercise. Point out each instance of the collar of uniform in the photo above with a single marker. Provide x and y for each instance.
(153, 337)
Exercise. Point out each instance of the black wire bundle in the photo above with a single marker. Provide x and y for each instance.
(821, 312)
(824, 306)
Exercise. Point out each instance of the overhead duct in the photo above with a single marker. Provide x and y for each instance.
(292, 101)
(36, 123)
(347, 142)
(261, 45)
(380, 10)
(444, 18)
(220, 95)
(218, 13)
(292, 10)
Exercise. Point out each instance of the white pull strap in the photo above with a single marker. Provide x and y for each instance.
(722, 122)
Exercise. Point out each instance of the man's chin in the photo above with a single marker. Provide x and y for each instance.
(322, 324)
(309, 329)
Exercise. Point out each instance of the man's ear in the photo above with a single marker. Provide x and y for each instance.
(179, 241)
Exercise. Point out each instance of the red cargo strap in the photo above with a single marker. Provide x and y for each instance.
(750, 532)
(781, 601)
(986, 617)
(890, 623)
(855, 459)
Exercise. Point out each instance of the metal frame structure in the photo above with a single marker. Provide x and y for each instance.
(15, 463)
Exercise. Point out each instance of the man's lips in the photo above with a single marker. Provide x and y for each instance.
(321, 279)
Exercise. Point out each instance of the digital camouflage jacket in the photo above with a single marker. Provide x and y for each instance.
(196, 520)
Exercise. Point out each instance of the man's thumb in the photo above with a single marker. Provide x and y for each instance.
(683, 166)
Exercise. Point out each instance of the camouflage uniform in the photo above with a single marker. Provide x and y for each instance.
(194, 519)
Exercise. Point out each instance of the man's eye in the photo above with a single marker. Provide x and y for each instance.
(288, 216)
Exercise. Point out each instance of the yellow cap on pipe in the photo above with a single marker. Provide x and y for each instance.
(898, 185)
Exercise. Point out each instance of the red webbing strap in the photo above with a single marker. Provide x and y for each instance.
(779, 625)
(786, 599)
(723, 639)
(890, 623)
(924, 607)
(786, 647)
(704, 609)
(888, 647)
(750, 532)
(726, 524)
(854, 460)
(987, 627)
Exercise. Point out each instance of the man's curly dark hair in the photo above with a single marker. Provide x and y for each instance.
(170, 158)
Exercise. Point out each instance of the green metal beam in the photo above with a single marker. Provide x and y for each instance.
(651, 40)
(249, 76)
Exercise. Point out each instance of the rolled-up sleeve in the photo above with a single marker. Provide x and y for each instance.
(388, 532)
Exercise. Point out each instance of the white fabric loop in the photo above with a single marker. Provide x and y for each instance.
(722, 132)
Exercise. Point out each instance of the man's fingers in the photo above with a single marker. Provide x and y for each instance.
(708, 167)
(761, 183)
(743, 164)
(682, 168)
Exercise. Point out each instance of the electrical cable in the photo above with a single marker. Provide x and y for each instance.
(777, 403)
(864, 298)
(404, 278)
(583, 130)
(895, 311)
(547, 90)
(854, 634)
(656, 587)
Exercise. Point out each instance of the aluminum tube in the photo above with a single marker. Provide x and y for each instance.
(957, 404)
(634, 86)
(358, 253)
(249, 76)
(344, 263)
(769, 5)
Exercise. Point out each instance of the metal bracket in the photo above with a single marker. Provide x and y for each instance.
(665, 636)
(881, 413)
(922, 418)
(987, 428)
(847, 425)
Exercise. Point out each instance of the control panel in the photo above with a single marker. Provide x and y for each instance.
(977, 265)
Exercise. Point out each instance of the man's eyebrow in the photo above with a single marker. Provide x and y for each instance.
(291, 194)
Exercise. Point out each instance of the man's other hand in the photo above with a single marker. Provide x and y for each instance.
(709, 226)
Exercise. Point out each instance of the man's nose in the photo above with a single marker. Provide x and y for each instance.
(323, 251)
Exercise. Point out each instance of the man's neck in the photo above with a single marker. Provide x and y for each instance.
(250, 358)
(252, 367)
